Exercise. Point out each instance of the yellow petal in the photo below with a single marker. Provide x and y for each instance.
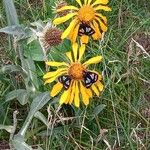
(71, 34)
(50, 80)
(54, 77)
(85, 2)
(53, 73)
(69, 55)
(56, 64)
(75, 50)
(96, 26)
(67, 8)
(72, 92)
(81, 52)
(89, 2)
(64, 18)
(100, 86)
(64, 96)
(76, 98)
(102, 25)
(70, 27)
(94, 88)
(102, 17)
(79, 2)
(99, 77)
(97, 35)
(69, 94)
(56, 89)
(101, 7)
(93, 60)
(89, 92)
(75, 33)
(84, 39)
(100, 2)
(85, 96)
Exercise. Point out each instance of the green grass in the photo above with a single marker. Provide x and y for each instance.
(122, 124)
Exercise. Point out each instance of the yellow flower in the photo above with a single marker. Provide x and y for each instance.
(87, 20)
(75, 77)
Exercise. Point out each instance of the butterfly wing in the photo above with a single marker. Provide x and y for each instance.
(90, 78)
(89, 31)
(65, 80)
(85, 29)
(87, 81)
(93, 76)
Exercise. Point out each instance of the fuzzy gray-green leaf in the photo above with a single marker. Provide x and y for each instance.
(32, 75)
(6, 127)
(21, 95)
(11, 13)
(36, 105)
(41, 117)
(19, 144)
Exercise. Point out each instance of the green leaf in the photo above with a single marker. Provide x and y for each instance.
(56, 131)
(19, 31)
(11, 13)
(7, 128)
(36, 105)
(39, 102)
(97, 110)
(10, 69)
(41, 117)
(32, 75)
(34, 51)
(58, 52)
(57, 55)
(19, 144)
(21, 95)
(13, 30)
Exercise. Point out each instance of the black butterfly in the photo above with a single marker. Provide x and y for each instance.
(90, 78)
(85, 29)
(65, 80)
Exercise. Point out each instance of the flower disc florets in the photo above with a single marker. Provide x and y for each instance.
(76, 71)
(86, 13)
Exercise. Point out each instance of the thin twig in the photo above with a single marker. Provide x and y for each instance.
(14, 128)
(141, 47)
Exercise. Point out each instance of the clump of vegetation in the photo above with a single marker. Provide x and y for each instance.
(112, 111)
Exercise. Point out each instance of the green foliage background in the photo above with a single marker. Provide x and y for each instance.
(118, 119)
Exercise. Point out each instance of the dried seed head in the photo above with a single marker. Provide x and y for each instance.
(58, 5)
(51, 37)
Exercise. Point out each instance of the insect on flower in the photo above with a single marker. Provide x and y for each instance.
(87, 20)
(75, 78)
(85, 29)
